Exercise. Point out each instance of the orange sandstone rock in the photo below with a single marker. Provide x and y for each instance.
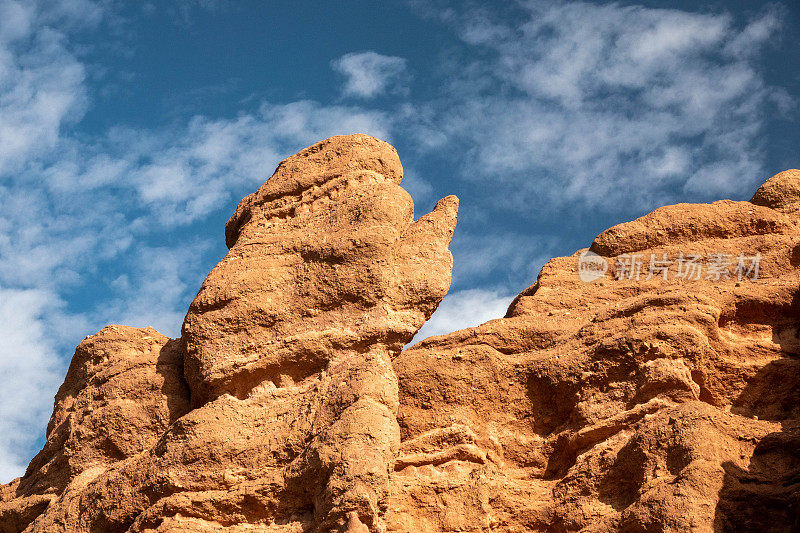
(663, 403)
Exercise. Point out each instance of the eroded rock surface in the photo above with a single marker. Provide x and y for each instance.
(328, 276)
(122, 391)
(622, 404)
(287, 352)
(663, 403)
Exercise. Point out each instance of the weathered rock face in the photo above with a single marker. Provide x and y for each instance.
(663, 402)
(122, 391)
(287, 352)
(328, 276)
(325, 258)
(124, 388)
(621, 404)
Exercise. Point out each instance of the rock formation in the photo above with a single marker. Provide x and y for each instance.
(664, 401)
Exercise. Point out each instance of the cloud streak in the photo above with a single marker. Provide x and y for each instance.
(29, 358)
(369, 74)
(463, 309)
(41, 82)
(608, 106)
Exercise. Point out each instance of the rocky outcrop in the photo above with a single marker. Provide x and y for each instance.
(327, 278)
(661, 404)
(123, 390)
(663, 400)
(287, 354)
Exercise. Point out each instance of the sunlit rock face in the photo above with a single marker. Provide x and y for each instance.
(324, 258)
(327, 277)
(285, 359)
(660, 395)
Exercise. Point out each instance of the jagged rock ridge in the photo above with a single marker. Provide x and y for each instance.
(660, 404)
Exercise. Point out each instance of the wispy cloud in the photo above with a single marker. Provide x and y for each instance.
(41, 85)
(463, 309)
(157, 287)
(608, 106)
(31, 371)
(495, 255)
(369, 74)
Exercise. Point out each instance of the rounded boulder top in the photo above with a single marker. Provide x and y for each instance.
(781, 192)
(315, 165)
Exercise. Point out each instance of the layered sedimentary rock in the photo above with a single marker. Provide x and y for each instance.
(666, 400)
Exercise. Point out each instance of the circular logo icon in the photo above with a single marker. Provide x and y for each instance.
(591, 266)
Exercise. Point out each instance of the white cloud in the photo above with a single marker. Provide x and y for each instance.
(15, 20)
(41, 88)
(757, 32)
(463, 309)
(30, 369)
(369, 74)
(157, 288)
(479, 258)
(606, 106)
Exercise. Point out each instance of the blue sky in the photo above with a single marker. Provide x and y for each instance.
(130, 131)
